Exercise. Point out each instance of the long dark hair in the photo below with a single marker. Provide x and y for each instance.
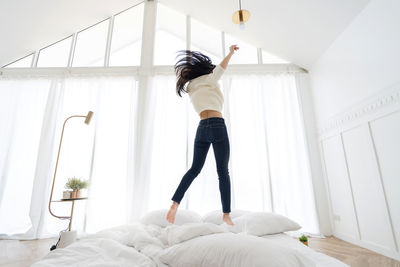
(190, 65)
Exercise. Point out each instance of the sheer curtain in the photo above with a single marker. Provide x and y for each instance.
(22, 104)
(268, 165)
(140, 144)
(32, 113)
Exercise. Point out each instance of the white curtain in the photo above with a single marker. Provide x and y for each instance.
(138, 147)
(22, 105)
(269, 165)
(32, 113)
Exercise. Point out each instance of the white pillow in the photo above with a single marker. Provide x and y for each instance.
(229, 249)
(216, 216)
(177, 234)
(262, 223)
(159, 217)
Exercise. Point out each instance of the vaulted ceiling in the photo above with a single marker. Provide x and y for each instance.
(297, 31)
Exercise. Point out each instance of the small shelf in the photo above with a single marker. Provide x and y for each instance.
(69, 199)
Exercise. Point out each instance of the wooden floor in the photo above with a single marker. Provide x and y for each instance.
(14, 253)
(348, 253)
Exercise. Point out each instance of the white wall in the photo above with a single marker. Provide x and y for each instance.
(362, 61)
(356, 95)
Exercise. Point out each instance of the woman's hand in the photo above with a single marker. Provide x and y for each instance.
(225, 61)
(233, 48)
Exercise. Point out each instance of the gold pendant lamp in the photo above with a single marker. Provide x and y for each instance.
(241, 16)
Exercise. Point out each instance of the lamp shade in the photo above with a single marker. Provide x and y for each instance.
(241, 15)
(89, 117)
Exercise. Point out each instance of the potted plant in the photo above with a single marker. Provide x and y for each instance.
(303, 239)
(76, 185)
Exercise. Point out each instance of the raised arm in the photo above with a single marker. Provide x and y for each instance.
(225, 61)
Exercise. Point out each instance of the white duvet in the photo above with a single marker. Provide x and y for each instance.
(95, 252)
(188, 245)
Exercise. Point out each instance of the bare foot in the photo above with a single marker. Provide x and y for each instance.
(172, 212)
(227, 219)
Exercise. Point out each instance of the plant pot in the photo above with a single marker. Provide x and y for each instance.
(66, 194)
(304, 242)
(76, 194)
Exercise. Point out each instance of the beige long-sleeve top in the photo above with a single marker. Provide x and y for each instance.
(205, 92)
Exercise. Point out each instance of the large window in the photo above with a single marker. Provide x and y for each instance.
(125, 44)
(127, 37)
(170, 35)
(206, 40)
(24, 62)
(55, 55)
(90, 47)
(140, 142)
(268, 58)
(247, 55)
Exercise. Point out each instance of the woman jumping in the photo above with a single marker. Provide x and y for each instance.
(207, 99)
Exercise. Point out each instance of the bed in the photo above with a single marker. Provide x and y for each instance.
(256, 239)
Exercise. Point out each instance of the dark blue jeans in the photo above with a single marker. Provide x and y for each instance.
(210, 131)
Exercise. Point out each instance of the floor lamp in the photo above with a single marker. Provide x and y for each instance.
(66, 237)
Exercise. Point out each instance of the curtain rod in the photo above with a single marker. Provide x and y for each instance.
(137, 71)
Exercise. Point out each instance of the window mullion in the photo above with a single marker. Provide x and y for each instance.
(223, 44)
(259, 56)
(148, 35)
(72, 49)
(35, 59)
(188, 32)
(108, 44)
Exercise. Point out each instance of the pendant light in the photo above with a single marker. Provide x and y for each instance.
(241, 16)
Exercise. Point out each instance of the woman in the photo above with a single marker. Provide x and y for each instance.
(207, 99)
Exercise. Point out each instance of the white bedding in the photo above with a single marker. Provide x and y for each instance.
(230, 249)
(95, 252)
(191, 244)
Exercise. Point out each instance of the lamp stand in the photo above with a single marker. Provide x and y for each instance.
(66, 237)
